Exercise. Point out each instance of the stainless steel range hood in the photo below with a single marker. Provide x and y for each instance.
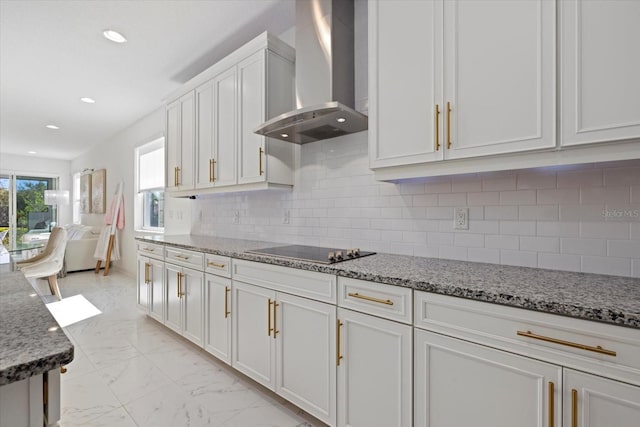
(324, 76)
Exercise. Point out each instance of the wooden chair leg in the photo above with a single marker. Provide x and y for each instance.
(107, 262)
(98, 267)
(53, 285)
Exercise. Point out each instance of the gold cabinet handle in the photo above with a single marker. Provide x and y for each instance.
(182, 257)
(275, 321)
(215, 265)
(338, 355)
(574, 408)
(368, 298)
(269, 329)
(146, 273)
(596, 349)
(226, 302)
(179, 280)
(212, 170)
(551, 392)
(260, 152)
(437, 127)
(177, 176)
(448, 125)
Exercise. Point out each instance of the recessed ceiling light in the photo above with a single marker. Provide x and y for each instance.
(284, 135)
(32, 152)
(114, 36)
(52, 127)
(341, 119)
(88, 100)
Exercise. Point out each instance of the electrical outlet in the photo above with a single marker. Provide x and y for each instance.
(286, 218)
(461, 218)
(236, 217)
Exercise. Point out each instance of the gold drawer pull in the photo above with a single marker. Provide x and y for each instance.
(148, 249)
(182, 257)
(596, 349)
(365, 297)
(215, 264)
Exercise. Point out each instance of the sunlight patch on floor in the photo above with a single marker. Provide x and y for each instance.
(71, 310)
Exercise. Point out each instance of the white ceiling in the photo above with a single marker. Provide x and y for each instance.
(52, 53)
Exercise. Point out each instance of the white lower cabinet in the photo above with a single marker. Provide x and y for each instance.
(184, 311)
(592, 401)
(374, 371)
(287, 343)
(458, 383)
(150, 285)
(217, 327)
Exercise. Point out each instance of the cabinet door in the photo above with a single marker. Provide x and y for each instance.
(142, 285)
(172, 145)
(204, 135)
(251, 114)
(599, 71)
(306, 355)
(375, 374)
(193, 305)
(253, 344)
(458, 383)
(405, 49)
(591, 401)
(217, 331)
(499, 76)
(173, 308)
(225, 128)
(187, 141)
(156, 299)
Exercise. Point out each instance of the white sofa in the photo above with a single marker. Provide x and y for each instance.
(81, 245)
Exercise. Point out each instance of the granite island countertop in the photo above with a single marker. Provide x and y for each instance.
(609, 299)
(27, 346)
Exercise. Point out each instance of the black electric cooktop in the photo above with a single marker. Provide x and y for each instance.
(312, 253)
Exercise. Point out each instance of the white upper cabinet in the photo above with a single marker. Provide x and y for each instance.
(460, 79)
(210, 131)
(499, 77)
(180, 131)
(405, 47)
(600, 65)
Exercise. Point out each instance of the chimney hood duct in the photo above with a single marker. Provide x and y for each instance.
(324, 76)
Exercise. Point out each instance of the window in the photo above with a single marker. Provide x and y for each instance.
(150, 186)
(76, 198)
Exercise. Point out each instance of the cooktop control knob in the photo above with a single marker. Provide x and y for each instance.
(356, 251)
(339, 255)
(331, 256)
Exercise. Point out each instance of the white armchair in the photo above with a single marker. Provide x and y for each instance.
(49, 263)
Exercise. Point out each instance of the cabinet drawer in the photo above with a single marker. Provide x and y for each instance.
(600, 348)
(151, 250)
(390, 302)
(310, 284)
(216, 264)
(185, 258)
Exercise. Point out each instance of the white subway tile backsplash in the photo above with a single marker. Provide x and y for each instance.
(580, 178)
(539, 213)
(623, 248)
(559, 261)
(596, 195)
(521, 197)
(604, 230)
(501, 242)
(484, 255)
(558, 196)
(575, 246)
(562, 217)
(540, 244)
(501, 212)
(606, 265)
(536, 180)
(484, 199)
(519, 258)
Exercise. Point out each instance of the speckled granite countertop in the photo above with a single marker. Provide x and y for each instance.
(27, 347)
(609, 299)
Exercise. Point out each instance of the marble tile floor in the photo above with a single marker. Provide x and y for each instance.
(129, 370)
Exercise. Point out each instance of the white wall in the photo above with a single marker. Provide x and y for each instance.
(117, 157)
(549, 218)
(35, 166)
